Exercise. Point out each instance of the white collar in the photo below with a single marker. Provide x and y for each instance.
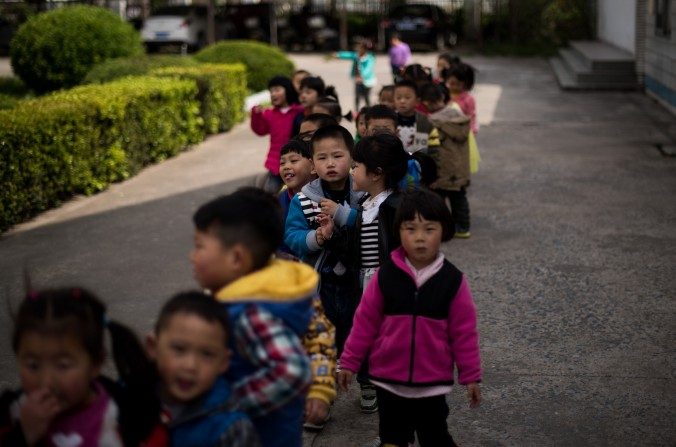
(371, 206)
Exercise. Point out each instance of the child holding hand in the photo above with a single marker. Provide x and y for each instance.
(415, 322)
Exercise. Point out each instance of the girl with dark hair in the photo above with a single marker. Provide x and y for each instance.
(312, 90)
(445, 62)
(415, 323)
(460, 81)
(59, 343)
(278, 123)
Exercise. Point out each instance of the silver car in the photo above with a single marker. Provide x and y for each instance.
(177, 26)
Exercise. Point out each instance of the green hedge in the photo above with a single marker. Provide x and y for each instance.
(56, 49)
(221, 92)
(261, 60)
(135, 66)
(82, 139)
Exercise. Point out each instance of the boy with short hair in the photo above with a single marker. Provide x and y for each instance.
(321, 205)
(269, 305)
(381, 118)
(415, 130)
(190, 349)
(386, 96)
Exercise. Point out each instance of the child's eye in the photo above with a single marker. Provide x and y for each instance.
(208, 354)
(177, 348)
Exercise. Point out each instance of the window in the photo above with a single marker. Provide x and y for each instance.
(662, 25)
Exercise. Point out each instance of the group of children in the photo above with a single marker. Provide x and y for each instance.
(340, 274)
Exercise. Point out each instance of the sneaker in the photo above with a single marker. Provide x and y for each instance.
(368, 401)
(311, 426)
(462, 234)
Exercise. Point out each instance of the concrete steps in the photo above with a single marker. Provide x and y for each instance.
(592, 65)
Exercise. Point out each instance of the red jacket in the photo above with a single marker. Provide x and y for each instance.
(278, 125)
(413, 335)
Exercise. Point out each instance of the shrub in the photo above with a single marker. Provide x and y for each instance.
(12, 90)
(56, 49)
(135, 66)
(82, 139)
(221, 92)
(261, 60)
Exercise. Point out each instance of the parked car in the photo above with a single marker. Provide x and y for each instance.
(244, 21)
(309, 30)
(420, 25)
(183, 26)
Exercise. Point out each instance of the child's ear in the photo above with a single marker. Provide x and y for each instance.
(151, 345)
(314, 170)
(241, 259)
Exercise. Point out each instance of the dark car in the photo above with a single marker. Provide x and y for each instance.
(245, 21)
(420, 25)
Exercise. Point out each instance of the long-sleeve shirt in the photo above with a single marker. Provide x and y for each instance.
(468, 107)
(399, 54)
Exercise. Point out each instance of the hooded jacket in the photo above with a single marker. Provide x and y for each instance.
(415, 335)
(269, 311)
(452, 156)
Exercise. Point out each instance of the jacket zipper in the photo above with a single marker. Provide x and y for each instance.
(415, 318)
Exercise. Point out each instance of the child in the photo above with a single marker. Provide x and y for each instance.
(416, 320)
(363, 72)
(312, 89)
(460, 81)
(419, 75)
(190, 349)
(269, 305)
(361, 124)
(313, 122)
(277, 122)
(297, 77)
(414, 128)
(386, 96)
(59, 343)
(400, 54)
(330, 105)
(381, 118)
(452, 156)
(445, 62)
(319, 340)
(330, 196)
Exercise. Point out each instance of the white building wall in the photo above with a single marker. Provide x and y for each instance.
(617, 23)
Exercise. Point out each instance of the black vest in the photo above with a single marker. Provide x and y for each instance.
(402, 297)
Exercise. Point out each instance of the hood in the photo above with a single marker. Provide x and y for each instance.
(280, 280)
(448, 120)
(315, 192)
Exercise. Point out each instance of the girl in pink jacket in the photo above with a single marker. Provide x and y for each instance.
(278, 123)
(415, 323)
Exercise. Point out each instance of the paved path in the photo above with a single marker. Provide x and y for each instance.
(571, 260)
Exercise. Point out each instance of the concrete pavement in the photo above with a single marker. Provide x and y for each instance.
(571, 260)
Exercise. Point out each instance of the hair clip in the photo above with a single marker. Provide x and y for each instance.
(76, 293)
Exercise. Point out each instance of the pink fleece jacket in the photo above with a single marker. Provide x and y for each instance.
(468, 106)
(279, 125)
(438, 345)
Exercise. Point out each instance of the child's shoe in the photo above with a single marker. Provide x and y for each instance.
(368, 401)
(462, 234)
(311, 426)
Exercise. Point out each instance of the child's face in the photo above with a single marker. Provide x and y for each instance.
(421, 240)
(214, 266)
(455, 86)
(331, 160)
(380, 125)
(278, 96)
(362, 180)
(296, 80)
(361, 124)
(59, 365)
(190, 353)
(386, 98)
(307, 129)
(308, 97)
(405, 101)
(296, 170)
(434, 106)
(442, 64)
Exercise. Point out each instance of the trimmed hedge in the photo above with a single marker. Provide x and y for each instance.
(135, 66)
(221, 92)
(82, 139)
(56, 49)
(261, 60)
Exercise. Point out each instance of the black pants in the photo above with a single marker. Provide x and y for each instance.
(459, 207)
(337, 295)
(399, 417)
(361, 91)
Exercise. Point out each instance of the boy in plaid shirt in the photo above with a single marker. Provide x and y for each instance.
(269, 304)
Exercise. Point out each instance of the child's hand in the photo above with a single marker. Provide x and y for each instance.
(474, 394)
(257, 109)
(344, 378)
(37, 412)
(326, 225)
(329, 207)
(316, 411)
